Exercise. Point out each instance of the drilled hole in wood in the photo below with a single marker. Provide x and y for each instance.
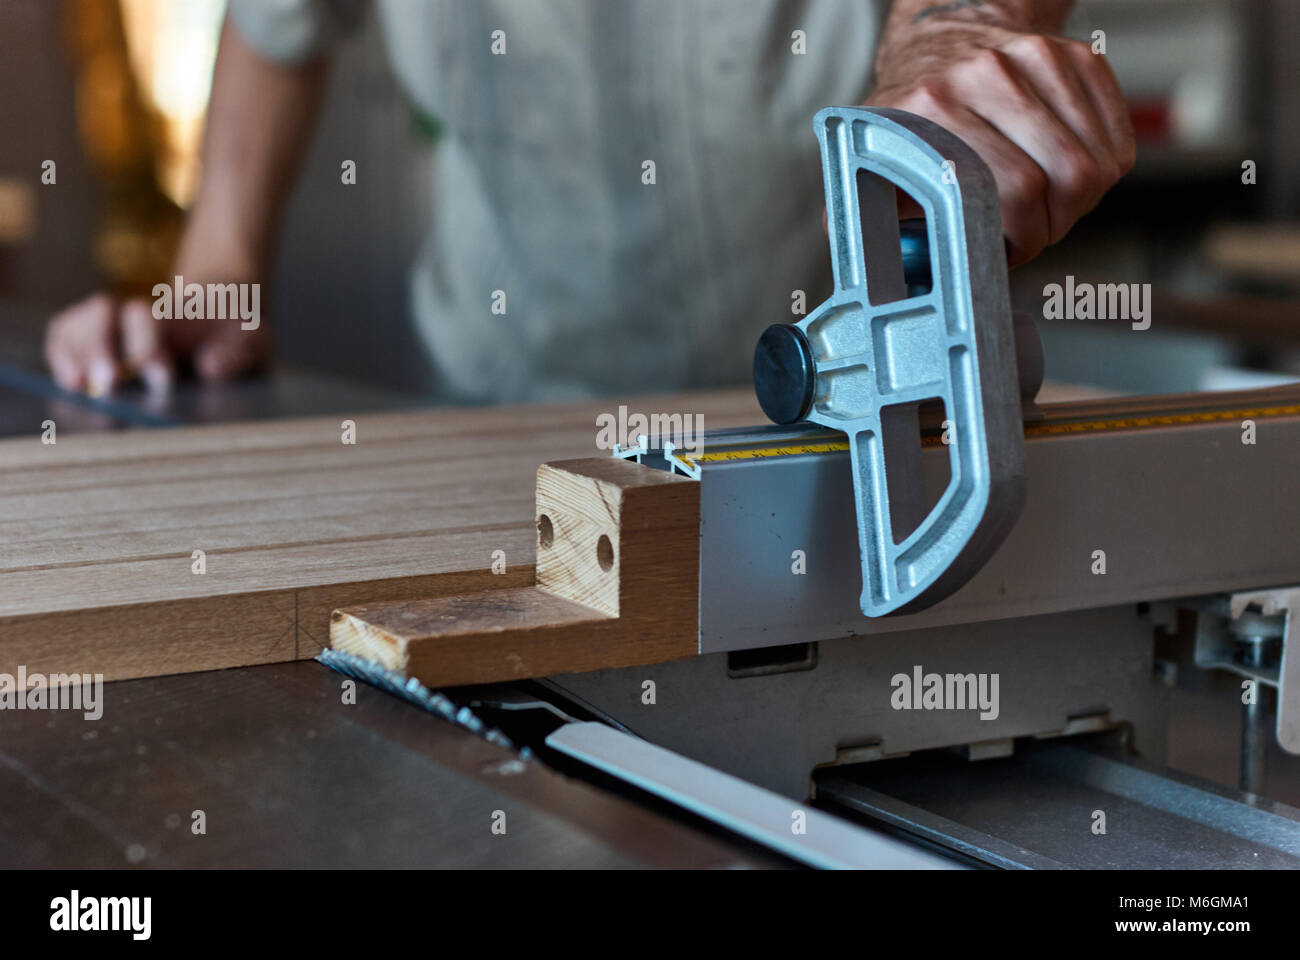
(605, 553)
(545, 532)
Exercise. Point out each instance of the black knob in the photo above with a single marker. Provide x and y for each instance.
(784, 376)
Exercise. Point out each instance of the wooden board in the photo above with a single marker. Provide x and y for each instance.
(617, 585)
(97, 530)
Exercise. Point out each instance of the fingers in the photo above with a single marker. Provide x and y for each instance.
(999, 92)
(98, 344)
(1022, 182)
(81, 346)
(1079, 87)
(144, 350)
(1047, 67)
(1024, 188)
(1103, 91)
(1045, 114)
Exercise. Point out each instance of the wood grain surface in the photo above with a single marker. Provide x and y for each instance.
(97, 531)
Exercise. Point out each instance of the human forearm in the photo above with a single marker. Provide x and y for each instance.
(1042, 16)
(909, 20)
(260, 119)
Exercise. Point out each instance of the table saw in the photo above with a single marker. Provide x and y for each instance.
(927, 619)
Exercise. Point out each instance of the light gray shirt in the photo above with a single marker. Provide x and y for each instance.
(627, 195)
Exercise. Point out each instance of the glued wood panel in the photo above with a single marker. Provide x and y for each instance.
(97, 531)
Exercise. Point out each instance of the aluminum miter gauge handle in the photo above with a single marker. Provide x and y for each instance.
(864, 360)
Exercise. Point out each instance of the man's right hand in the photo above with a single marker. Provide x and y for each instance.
(1045, 113)
(100, 343)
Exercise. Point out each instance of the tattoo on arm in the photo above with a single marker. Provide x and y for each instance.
(945, 8)
(1035, 15)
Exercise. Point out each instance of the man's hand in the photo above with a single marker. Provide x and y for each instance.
(100, 343)
(1044, 113)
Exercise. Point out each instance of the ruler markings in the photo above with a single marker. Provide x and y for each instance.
(1031, 430)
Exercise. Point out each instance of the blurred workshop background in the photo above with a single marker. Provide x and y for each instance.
(117, 90)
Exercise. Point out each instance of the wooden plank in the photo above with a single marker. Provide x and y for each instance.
(96, 586)
(719, 408)
(174, 531)
(146, 640)
(253, 465)
(97, 531)
(617, 585)
(199, 495)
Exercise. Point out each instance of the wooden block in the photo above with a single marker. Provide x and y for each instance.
(608, 527)
(617, 585)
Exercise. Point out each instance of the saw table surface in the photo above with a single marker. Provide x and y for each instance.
(287, 775)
